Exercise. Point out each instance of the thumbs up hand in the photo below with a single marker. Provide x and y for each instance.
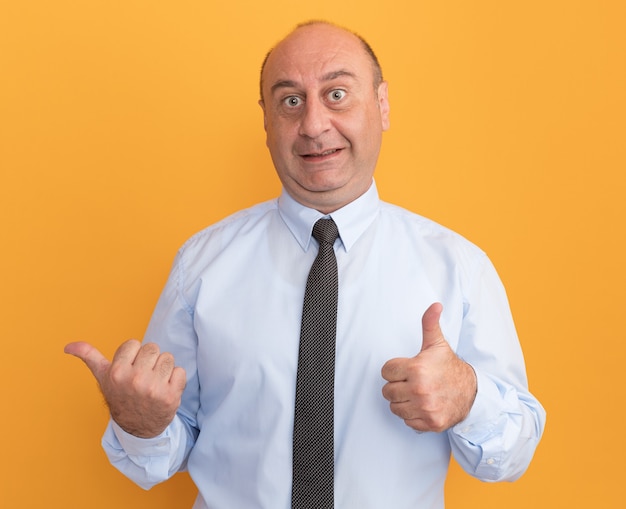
(434, 390)
(142, 387)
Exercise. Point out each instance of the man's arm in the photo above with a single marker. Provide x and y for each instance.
(498, 438)
(142, 387)
(478, 394)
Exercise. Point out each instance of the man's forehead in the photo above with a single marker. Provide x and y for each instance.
(324, 78)
(319, 62)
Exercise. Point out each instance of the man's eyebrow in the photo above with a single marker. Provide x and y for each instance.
(327, 77)
(283, 84)
(338, 74)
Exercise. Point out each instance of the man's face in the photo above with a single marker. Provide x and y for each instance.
(323, 117)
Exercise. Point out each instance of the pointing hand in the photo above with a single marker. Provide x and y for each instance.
(142, 387)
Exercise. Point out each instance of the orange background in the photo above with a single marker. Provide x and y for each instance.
(127, 126)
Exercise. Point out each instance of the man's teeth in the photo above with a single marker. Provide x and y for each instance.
(325, 153)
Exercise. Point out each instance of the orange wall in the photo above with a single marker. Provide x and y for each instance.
(127, 126)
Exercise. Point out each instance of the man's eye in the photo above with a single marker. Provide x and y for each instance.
(337, 95)
(292, 101)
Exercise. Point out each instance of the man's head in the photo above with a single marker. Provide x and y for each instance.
(325, 107)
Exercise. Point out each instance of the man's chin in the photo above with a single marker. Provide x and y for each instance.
(327, 196)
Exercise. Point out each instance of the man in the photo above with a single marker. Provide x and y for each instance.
(213, 386)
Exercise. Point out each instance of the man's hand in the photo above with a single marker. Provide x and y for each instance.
(141, 386)
(434, 390)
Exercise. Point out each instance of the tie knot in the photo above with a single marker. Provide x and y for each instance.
(325, 230)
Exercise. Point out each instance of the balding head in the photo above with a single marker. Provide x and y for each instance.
(377, 73)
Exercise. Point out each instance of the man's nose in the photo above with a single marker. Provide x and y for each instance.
(315, 119)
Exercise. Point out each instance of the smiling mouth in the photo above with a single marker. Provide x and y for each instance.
(326, 153)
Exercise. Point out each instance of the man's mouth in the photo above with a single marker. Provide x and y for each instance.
(325, 153)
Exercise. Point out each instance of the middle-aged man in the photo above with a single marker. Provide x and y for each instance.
(426, 360)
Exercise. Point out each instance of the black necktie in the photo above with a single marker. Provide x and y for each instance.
(313, 437)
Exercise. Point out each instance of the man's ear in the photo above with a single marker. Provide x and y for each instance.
(262, 105)
(383, 104)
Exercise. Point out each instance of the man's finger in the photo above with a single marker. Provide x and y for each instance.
(147, 357)
(394, 370)
(127, 352)
(97, 363)
(164, 365)
(395, 392)
(431, 332)
(178, 378)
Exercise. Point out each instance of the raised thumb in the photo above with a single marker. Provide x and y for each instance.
(97, 363)
(431, 332)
